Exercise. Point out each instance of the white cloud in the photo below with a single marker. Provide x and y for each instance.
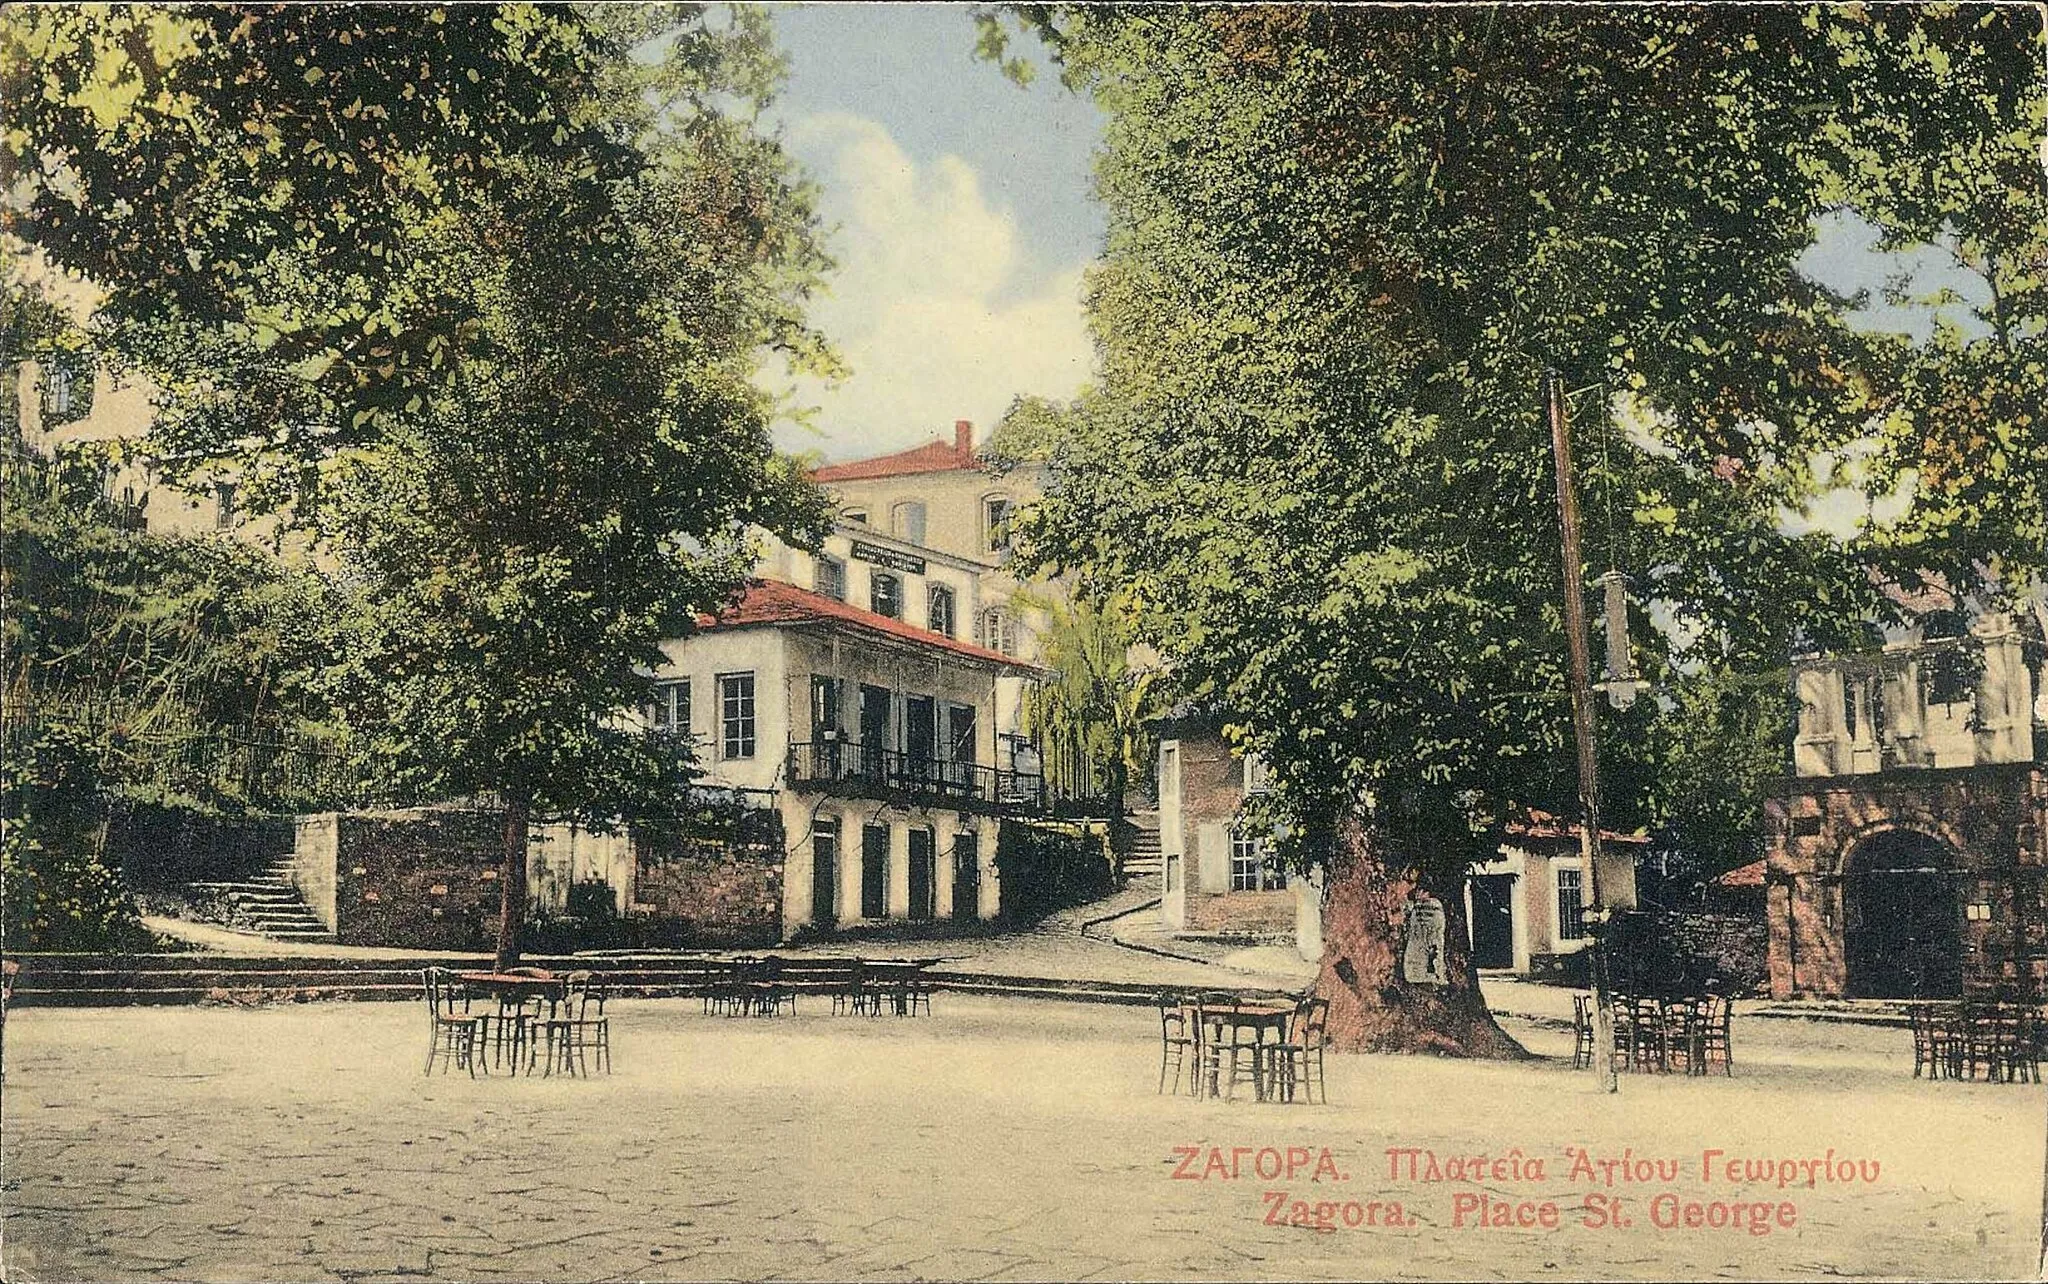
(927, 307)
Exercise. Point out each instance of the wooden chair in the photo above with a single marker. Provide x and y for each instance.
(735, 991)
(1298, 1058)
(1176, 1041)
(1930, 1041)
(1639, 1042)
(765, 990)
(1717, 1013)
(581, 1027)
(914, 992)
(2011, 1053)
(453, 1033)
(1582, 1031)
(1683, 1028)
(853, 994)
(1212, 1015)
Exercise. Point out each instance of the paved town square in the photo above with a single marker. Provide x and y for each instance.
(996, 1139)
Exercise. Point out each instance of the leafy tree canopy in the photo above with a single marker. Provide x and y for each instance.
(1344, 246)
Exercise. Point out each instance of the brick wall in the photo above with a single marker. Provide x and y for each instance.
(424, 879)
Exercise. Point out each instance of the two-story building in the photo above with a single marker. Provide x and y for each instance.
(1906, 853)
(1526, 907)
(876, 737)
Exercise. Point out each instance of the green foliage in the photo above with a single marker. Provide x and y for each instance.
(1945, 151)
(1716, 752)
(1089, 714)
(161, 650)
(250, 185)
(1345, 244)
(58, 894)
(1033, 430)
(523, 544)
(474, 295)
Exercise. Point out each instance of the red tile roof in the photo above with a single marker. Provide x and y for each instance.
(935, 456)
(771, 602)
(1541, 824)
(1750, 875)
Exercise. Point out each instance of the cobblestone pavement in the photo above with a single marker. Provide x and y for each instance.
(994, 1140)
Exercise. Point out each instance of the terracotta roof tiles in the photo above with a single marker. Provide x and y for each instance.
(771, 602)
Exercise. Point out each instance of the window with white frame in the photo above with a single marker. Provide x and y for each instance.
(671, 710)
(736, 715)
(1571, 905)
(995, 523)
(939, 610)
(1251, 867)
(56, 389)
(885, 595)
(998, 630)
(830, 577)
(1258, 777)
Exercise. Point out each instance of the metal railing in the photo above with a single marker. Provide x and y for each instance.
(846, 767)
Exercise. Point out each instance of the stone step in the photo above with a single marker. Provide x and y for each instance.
(108, 981)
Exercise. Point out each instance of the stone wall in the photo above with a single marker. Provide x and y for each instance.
(417, 879)
(160, 848)
(1994, 818)
(702, 891)
(1261, 914)
(315, 848)
(1683, 951)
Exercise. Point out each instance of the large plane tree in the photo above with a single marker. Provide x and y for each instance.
(1345, 244)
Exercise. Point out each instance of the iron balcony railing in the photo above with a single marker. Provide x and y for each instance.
(842, 766)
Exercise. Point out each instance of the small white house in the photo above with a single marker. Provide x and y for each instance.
(1527, 906)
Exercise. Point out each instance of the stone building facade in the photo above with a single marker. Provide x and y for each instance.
(1906, 854)
(1217, 878)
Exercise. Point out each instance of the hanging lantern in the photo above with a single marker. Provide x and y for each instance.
(1621, 683)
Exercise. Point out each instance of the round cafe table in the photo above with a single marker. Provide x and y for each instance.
(1237, 1029)
(513, 990)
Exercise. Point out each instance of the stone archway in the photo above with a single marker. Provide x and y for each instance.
(1903, 917)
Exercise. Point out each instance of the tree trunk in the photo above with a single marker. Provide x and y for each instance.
(512, 883)
(1372, 1008)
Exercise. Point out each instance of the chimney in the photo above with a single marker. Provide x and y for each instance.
(963, 439)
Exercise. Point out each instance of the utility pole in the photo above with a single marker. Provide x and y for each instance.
(1582, 731)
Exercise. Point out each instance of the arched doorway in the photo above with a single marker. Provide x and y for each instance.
(1903, 912)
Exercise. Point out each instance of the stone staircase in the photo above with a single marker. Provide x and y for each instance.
(266, 904)
(1142, 866)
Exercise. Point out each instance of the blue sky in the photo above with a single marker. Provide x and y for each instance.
(962, 222)
(963, 219)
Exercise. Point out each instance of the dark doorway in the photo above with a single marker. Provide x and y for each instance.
(966, 877)
(874, 871)
(825, 873)
(1493, 920)
(923, 873)
(1903, 918)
